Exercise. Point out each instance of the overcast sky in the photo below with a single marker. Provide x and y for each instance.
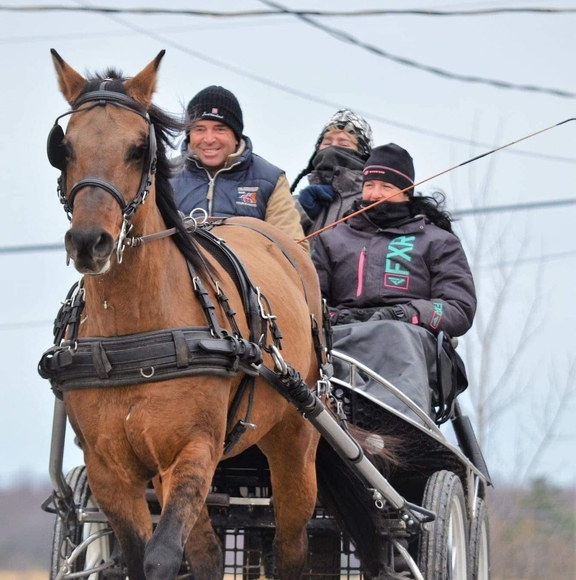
(289, 78)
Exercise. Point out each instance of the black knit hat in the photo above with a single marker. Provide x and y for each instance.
(390, 163)
(216, 103)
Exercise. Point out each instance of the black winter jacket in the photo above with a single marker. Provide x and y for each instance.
(415, 263)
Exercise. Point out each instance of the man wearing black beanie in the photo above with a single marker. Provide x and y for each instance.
(220, 173)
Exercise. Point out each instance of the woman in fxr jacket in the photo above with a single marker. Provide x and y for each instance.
(398, 261)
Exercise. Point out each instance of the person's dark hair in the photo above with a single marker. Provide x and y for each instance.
(432, 206)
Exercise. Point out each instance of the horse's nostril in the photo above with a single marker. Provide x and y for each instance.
(103, 245)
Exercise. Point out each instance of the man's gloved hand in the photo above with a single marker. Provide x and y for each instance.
(402, 312)
(314, 197)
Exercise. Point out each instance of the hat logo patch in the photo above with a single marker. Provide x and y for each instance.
(213, 114)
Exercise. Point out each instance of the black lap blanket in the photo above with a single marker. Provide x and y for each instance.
(404, 354)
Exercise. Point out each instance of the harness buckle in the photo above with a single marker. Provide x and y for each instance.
(279, 362)
(323, 386)
(121, 244)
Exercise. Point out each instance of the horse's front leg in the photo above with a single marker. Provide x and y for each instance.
(185, 485)
(203, 548)
(291, 452)
(122, 499)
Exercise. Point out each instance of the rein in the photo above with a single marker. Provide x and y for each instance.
(329, 226)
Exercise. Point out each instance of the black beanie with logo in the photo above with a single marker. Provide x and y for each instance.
(215, 103)
(390, 163)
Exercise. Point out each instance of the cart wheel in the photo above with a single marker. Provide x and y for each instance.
(97, 552)
(480, 543)
(444, 542)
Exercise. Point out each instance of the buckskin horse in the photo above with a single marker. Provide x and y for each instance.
(161, 351)
(175, 428)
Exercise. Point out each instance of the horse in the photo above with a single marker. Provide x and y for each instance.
(114, 156)
(148, 274)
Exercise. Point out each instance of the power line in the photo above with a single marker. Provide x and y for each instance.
(28, 324)
(318, 100)
(455, 213)
(339, 34)
(514, 207)
(348, 38)
(254, 13)
(31, 248)
(321, 101)
(522, 261)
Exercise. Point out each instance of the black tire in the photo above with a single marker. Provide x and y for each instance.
(443, 550)
(97, 552)
(480, 543)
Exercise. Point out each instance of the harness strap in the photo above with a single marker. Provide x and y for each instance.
(237, 271)
(242, 425)
(273, 240)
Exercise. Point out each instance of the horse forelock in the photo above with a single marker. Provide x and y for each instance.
(115, 77)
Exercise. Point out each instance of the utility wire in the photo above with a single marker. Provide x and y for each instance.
(31, 248)
(334, 32)
(456, 213)
(513, 207)
(321, 101)
(522, 261)
(318, 100)
(348, 38)
(253, 13)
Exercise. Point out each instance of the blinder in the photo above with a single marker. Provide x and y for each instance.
(55, 147)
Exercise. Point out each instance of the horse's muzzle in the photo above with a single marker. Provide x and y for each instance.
(90, 249)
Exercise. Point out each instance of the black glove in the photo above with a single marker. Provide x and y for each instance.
(402, 312)
(350, 315)
(314, 197)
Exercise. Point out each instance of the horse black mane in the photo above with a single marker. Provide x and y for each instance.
(166, 127)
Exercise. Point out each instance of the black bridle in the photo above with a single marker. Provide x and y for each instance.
(57, 156)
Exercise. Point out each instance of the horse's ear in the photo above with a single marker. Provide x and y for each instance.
(71, 83)
(142, 86)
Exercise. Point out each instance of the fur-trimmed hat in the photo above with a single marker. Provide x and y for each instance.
(390, 163)
(215, 103)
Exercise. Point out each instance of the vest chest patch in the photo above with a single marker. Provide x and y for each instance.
(247, 196)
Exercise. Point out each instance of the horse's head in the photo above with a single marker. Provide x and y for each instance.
(107, 157)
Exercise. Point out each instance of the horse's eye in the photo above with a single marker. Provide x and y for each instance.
(137, 152)
(68, 151)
